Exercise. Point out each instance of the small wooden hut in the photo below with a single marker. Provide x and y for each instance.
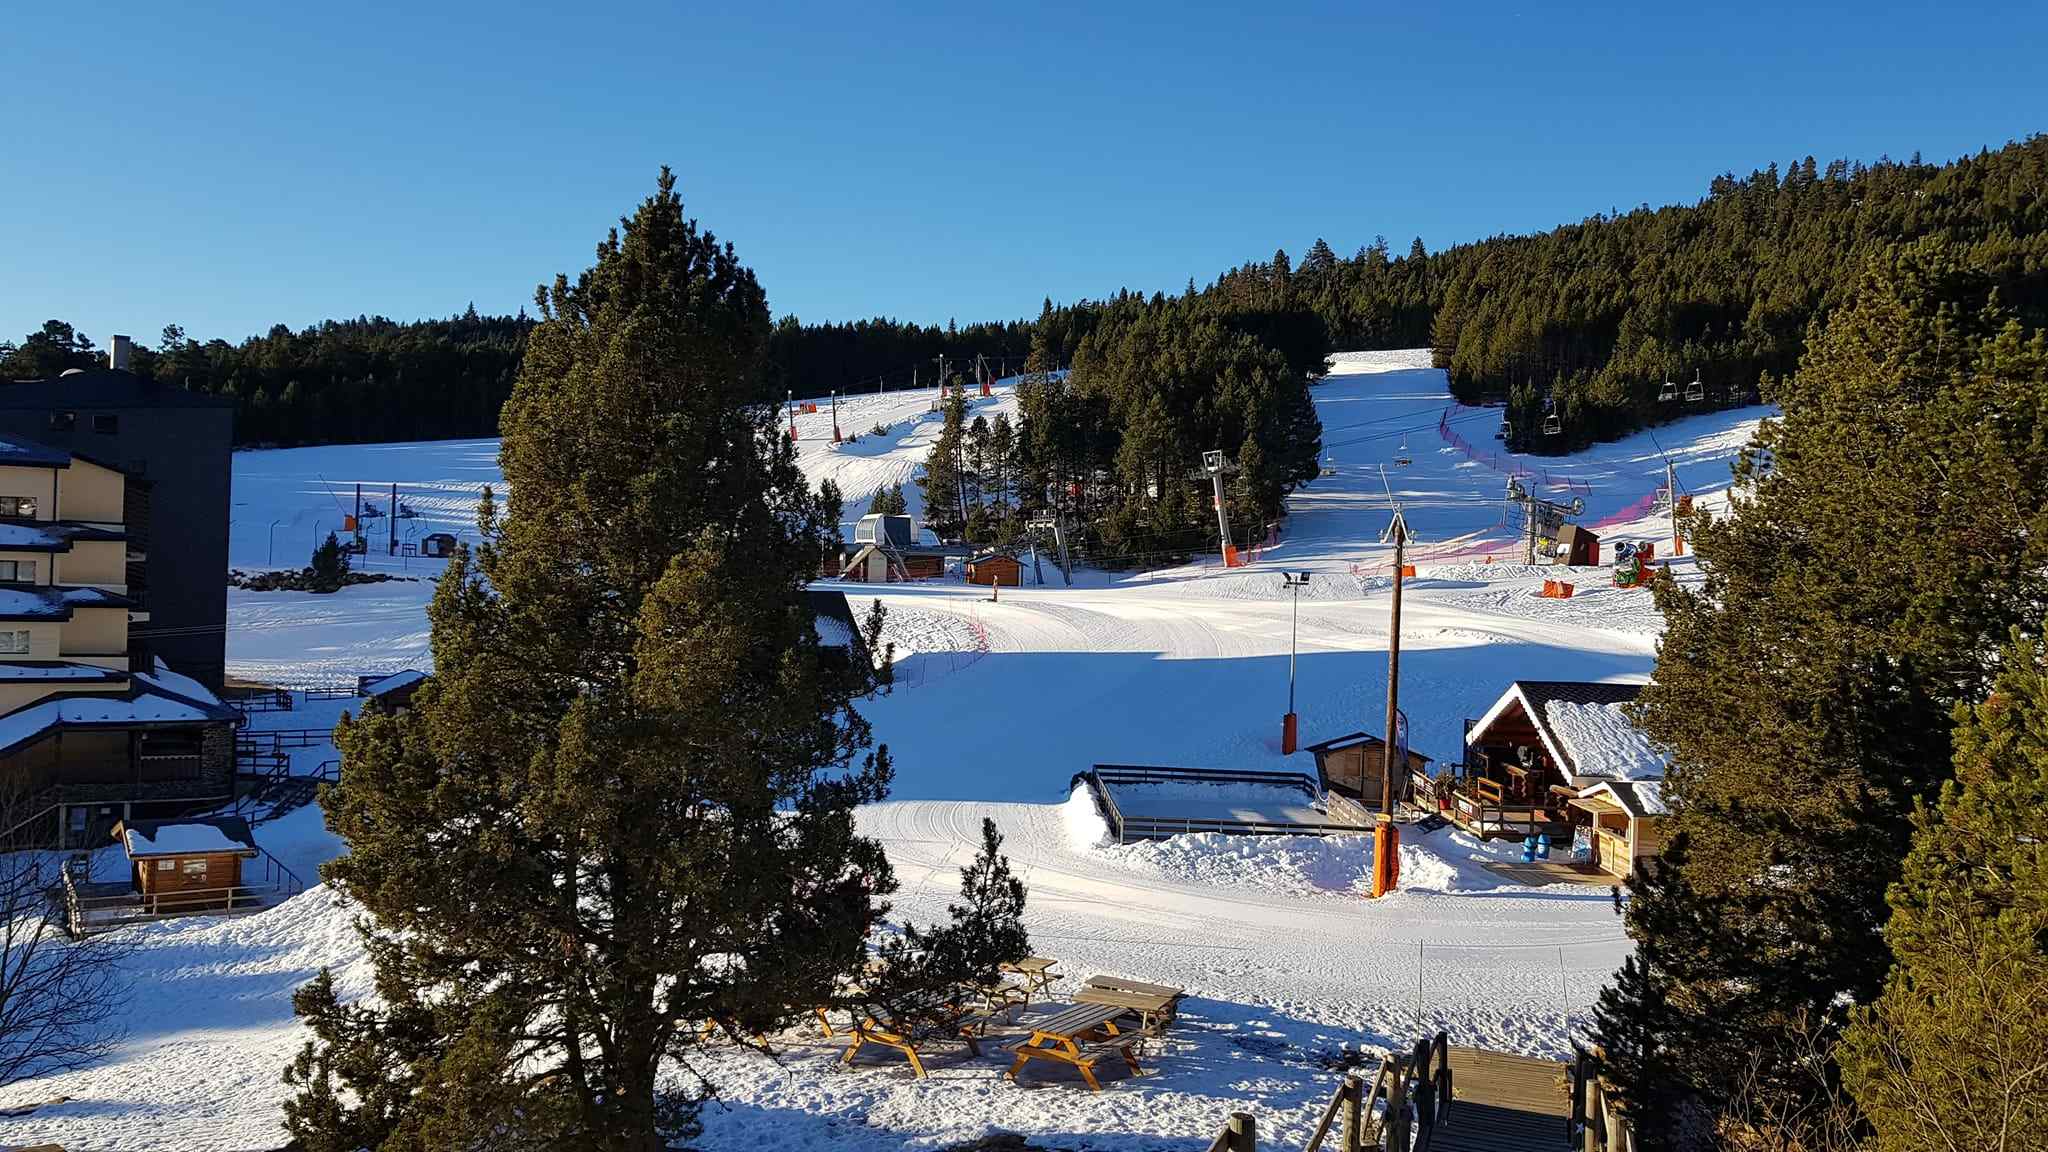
(995, 567)
(1352, 766)
(188, 865)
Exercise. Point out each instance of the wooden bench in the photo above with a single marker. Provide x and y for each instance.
(1079, 1037)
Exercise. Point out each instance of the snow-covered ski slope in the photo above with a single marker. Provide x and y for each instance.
(1286, 965)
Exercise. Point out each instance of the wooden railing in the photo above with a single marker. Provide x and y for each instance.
(90, 908)
(1596, 1122)
(1408, 1099)
(1102, 777)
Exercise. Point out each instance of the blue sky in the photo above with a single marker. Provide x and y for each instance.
(228, 168)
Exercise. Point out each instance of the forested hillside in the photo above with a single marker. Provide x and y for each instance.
(1586, 322)
(373, 379)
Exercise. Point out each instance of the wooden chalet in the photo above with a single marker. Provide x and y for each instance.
(995, 567)
(1352, 765)
(1561, 758)
(177, 868)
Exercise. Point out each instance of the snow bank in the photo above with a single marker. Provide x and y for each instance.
(1602, 741)
(1083, 821)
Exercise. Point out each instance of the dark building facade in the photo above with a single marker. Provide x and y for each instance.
(176, 445)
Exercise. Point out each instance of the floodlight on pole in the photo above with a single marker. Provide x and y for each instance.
(1294, 582)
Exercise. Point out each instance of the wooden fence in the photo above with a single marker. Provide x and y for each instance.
(1400, 1110)
(1103, 778)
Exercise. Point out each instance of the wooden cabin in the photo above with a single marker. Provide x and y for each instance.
(995, 568)
(188, 865)
(1620, 822)
(1351, 765)
(1538, 748)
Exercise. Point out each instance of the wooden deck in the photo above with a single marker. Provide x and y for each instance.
(1504, 1103)
(1537, 873)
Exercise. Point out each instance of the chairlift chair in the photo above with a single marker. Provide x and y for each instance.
(1552, 425)
(1401, 457)
(1695, 391)
(1505, 430)
(1667, 393)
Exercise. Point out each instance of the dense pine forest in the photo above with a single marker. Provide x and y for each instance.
(1586, 323)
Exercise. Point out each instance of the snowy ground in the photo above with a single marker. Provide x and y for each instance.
(1286, 966)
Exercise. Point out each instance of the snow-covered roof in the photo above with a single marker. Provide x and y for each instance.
(1639, 798)
(50, 602)
(1599, 740)
(158, 697)
(50, 535)
(188, 838)
(394, 682)
(33, 671)
(1582, 725)
(18, 452)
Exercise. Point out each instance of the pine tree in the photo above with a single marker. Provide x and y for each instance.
(923, 969)
(623, 805)
(328, 570)
(942, 477)
(1954, 1054)
(1860, 591)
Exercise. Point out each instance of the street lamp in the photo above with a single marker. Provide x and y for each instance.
(1294, 582)
(270, 560)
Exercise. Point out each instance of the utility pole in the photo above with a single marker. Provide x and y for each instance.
(357, 520)
(1386, 839)
(392, 519)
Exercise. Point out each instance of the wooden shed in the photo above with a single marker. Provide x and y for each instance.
(995, 568)
(1351, 765)
(1625, 823)
(188, 865)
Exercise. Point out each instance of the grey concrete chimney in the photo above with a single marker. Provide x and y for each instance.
(117, 353)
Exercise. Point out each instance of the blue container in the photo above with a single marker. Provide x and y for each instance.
(1528, 850)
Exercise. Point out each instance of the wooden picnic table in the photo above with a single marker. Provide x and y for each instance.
(1154, 1004)
(1036, 972)
(1078, 1037)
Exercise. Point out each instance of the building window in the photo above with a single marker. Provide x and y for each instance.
(20, 507)
(17, 571)
(167, 865)
(62, 421)
(14, 642)
(195, 867)
(106, 423)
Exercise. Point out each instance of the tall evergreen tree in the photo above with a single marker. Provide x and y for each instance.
(1954, 1054)
(623, 805)
(942, 480)
(1893, 528)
